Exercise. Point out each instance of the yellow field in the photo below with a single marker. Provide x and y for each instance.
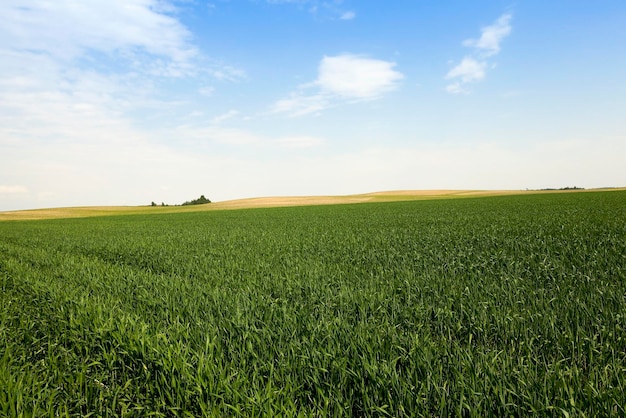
(265, 202)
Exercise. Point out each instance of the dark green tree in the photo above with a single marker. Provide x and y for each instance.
(200, 201)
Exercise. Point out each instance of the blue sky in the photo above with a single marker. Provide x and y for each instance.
(127, 102)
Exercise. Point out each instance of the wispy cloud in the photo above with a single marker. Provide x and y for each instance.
(79, 79)
(82, 67)
(342, 78)
(349, 15)
(118, 47)
(329, 9)
(473, 67)
(299, 103)
(67, 30)
(491, 36)
(469, 70)
(225, 116)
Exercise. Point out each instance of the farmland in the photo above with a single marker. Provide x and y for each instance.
(260, 202)
(483, 306)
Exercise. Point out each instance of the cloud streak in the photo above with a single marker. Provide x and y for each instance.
(473, 67)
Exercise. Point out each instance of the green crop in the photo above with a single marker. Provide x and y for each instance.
(498, 306)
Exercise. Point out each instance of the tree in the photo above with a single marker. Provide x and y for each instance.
(200, 201)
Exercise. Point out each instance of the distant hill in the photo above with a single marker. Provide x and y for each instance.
(265, 202)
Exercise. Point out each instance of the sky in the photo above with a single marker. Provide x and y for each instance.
(126, 102)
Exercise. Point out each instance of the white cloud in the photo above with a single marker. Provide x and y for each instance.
(66, 29)
(356, 77)
(112, 37)
(74, 77)
(342, 78)
(456, 88)
(468, 70)
(491, 36)
(473, 67)
(77, 70)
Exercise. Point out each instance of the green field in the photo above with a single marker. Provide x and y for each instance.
(486, 306)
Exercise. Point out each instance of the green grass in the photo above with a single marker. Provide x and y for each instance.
(498, 306)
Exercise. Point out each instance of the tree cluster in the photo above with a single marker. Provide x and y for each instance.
(200, 201)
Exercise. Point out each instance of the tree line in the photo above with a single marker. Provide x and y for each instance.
(199, 201)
